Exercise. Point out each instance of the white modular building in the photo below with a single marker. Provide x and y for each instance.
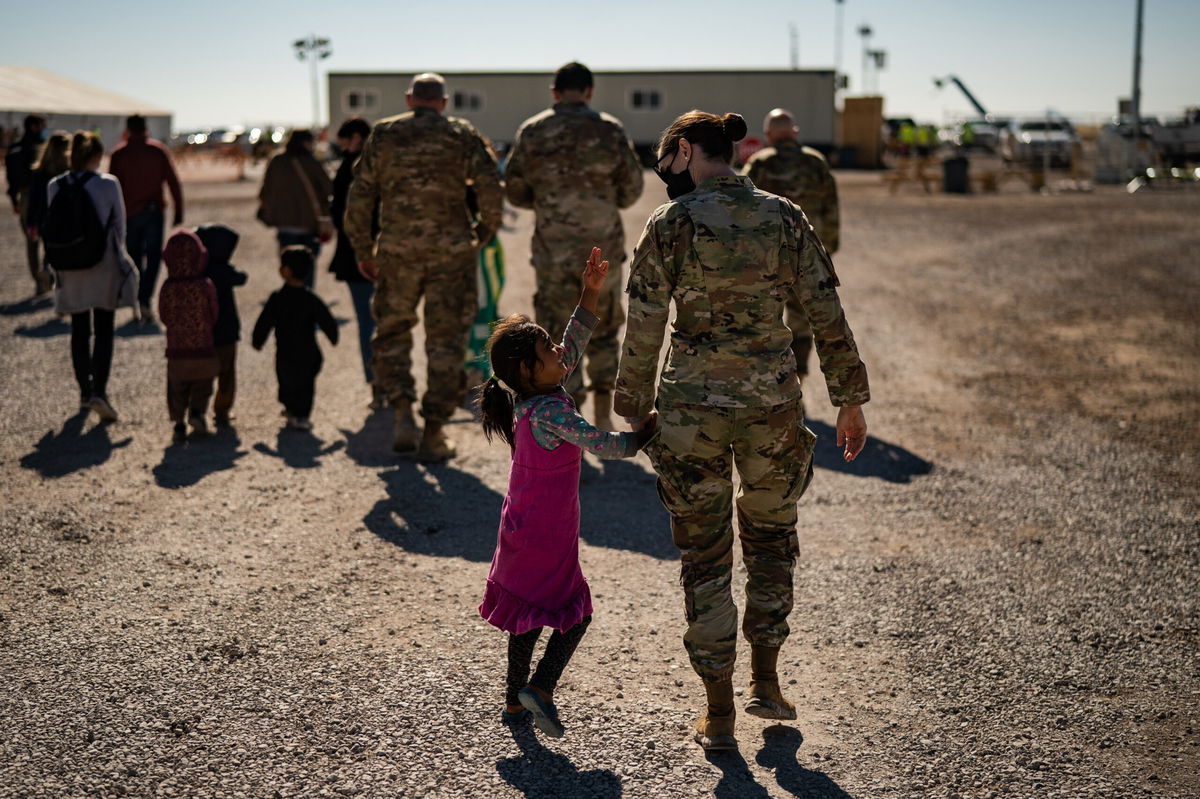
(644, 100)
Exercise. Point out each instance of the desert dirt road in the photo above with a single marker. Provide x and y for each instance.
(998, 599)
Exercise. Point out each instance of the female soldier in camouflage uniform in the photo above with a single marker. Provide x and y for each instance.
(729, 256)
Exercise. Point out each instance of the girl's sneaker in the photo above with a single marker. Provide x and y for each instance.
(545, 714)
(299, 423)
(180, 434)
(507, 717)
(105, 411)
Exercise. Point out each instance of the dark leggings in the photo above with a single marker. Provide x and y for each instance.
(558, 653)
(92, 362)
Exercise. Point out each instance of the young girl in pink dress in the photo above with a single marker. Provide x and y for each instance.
(535, 580)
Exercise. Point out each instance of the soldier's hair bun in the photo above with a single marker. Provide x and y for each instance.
(734, 126)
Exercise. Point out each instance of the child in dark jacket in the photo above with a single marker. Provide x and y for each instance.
(294, 312)
(221, 241)
(187, 307)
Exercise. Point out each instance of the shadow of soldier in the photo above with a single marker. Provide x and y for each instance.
(299, 449)
(780, 744)
(878, 459)
(436, 510)
(70, 449)
(371, 446)
(542, 774)
(620, 509)
(186, 464)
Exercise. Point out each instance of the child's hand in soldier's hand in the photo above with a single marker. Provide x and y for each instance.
(595, 272)
(646, 429)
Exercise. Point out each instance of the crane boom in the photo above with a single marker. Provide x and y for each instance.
(939, 82)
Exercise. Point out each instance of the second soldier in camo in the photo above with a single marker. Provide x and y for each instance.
(789, 169)
(417, 166)
(576, 169)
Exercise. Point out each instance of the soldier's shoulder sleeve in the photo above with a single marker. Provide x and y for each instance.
(814, 154)
(649, 289)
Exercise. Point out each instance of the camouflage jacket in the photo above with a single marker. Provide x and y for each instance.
(802, 175)
(575, 168)
(417, 166)
(729, 255)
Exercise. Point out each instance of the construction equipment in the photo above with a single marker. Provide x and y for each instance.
(985, 131)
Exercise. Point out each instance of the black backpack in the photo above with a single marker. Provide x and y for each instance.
(74, 236)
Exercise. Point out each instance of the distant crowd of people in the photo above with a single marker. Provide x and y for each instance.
(415, 199)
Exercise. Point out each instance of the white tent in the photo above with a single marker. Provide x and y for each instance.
(70, 105)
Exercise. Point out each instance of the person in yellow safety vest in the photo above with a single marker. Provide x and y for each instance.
(923, 141)
(908, 137)
(966, 135)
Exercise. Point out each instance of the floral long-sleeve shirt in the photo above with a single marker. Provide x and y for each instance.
(554, 417)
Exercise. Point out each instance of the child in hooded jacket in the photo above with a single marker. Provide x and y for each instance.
(187, 308)
(221, 241)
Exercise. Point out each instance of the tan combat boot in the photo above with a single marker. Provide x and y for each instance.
(435, 446)
(404, 429)
(766, 698)
(602, 410)
(714, 730)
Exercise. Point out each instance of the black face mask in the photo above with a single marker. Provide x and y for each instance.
(678, 183)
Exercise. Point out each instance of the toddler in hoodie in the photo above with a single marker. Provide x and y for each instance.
(220, 242)
(187, 308)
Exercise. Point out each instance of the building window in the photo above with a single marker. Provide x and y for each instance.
(645, 99)
(467, 101)
(359, 101)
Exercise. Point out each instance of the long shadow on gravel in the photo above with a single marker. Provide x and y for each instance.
(372, 445)
(436, 510)
(878, 459)
(299, 449)
(70, 449)
(27, 306)
(542, 774)
(780, 744)
(620, 509)
(187, 464)
(48, 328)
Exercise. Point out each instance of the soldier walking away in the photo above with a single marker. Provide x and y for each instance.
(18, 167)
(789, 169)
(728, 255)
(576, 169)
(143, 165)
(417, 167)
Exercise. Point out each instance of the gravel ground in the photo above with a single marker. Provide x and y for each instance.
(998, 599)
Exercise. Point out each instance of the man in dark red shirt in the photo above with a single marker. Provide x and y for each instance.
(143, 165)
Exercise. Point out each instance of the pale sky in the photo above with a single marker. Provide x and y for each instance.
(219, 62)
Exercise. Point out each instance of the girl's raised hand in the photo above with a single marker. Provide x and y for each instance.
(595, 272)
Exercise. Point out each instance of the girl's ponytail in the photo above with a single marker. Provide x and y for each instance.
(496, 410)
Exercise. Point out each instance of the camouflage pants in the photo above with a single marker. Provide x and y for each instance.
(802, 337)
(695, 455)
(447, 282)
(558, 290)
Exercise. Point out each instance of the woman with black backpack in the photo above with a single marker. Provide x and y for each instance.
(84, 234)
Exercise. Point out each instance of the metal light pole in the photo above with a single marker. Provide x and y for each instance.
(313, 50)
(1137, 72)
(837, 45)
(865, 32)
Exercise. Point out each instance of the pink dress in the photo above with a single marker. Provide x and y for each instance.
(535, 579)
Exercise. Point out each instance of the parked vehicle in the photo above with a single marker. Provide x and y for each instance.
(1028, 140)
